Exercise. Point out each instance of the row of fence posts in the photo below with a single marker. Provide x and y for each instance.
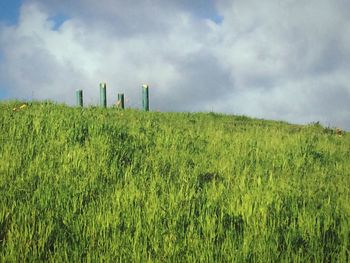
(120, 102)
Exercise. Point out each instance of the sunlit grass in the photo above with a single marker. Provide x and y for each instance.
(103, 184)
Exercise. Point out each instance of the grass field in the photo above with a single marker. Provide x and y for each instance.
(91, 184)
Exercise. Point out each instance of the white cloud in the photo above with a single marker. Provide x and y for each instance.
(283, 60)
(287, 59)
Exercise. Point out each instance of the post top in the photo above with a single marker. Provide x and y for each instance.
(144, 86)
(103, 84)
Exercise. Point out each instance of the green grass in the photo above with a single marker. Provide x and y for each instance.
(97, 184)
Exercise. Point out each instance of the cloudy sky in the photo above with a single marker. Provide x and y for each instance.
(287, 60)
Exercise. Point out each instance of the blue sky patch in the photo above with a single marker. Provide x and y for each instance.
(58, 20)
(217, 19)
(9, 11)
(204, 9)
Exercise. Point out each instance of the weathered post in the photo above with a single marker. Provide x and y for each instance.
(121, 101)
(103, 97)
(79, 97)
(145, 97)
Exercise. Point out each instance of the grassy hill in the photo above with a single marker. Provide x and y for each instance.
(82, 184)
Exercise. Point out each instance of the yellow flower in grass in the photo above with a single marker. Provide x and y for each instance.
(23, 106)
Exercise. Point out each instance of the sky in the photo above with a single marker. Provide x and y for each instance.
(283, 60)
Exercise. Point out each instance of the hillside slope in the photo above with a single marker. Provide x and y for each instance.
(106, 184)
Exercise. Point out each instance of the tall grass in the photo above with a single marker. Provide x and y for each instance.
(91, 184)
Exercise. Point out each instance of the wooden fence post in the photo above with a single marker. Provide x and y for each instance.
(79, 97)
(103, 96)
(121, 101)
(145, 97)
